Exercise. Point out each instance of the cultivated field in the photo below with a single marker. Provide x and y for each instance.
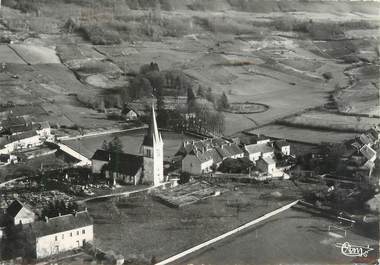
(331, 121)
(303, 135)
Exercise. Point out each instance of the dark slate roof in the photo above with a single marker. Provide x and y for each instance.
(101, 155)
(23, 135)
(128, 164)
(59, 224)
(14, 208)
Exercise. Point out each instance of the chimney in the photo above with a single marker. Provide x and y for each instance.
(59, 214)
(85, 209)
(46, 219)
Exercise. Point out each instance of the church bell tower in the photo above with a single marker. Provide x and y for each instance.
(153, 154)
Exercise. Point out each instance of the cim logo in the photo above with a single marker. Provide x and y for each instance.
(353, 250)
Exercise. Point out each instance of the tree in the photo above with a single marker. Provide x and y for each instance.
(223, 102)
(209, 95)
(105, 145)
(201, 92)
(115, 145)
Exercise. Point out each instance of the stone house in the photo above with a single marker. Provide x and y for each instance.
(58, 234)
(255, 151)
(283, 147)
(266, 165)
(17, 213)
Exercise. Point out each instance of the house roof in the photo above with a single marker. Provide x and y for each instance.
(119, 162)
(127, 110)
(368, 152)
(215, 148)
(259, 148)
(268, 160)
(365, 139)
(23, 135)
(15, 208)
(59, 224)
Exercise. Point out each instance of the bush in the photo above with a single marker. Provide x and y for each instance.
(327, 75)
(98, 35)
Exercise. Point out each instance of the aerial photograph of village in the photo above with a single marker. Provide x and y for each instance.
(195, 132)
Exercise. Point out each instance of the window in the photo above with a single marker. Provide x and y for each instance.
(71, 234)
(63, 236)
(83, 231)
(77, 233)
(56, 238)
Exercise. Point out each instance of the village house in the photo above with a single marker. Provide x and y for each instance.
(14, 125)
(203, 156)
(266, 165)
(18, 214)
(282, 147)
(368, 152)
(129, 114)
(58, 234)
(255, 151)
(25, 139)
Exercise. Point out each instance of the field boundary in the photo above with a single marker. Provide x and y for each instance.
(225, 235)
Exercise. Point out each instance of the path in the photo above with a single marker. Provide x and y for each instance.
(123, 194)
(2, 185)
(109, 131)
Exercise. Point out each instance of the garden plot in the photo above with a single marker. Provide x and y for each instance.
(36, 54)
(331, 121)
(188, 193)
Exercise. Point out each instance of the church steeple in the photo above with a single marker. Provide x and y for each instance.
(153, 153)
(152, 136)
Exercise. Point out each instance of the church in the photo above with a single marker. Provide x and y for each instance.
(146, 168)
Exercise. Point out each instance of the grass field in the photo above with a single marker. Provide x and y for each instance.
(143, 227)
(331, 121)
(300, 239)
(303, 135)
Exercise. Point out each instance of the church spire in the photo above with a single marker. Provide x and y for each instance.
(152, 135)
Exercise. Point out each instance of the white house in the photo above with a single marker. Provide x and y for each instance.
(59, 234)
(283, 147)
(19, 214)
(24, 140)
(201, 156)
(266, 165)
(129, 114)
(255, 151)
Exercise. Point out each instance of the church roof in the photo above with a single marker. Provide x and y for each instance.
(119, 162)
